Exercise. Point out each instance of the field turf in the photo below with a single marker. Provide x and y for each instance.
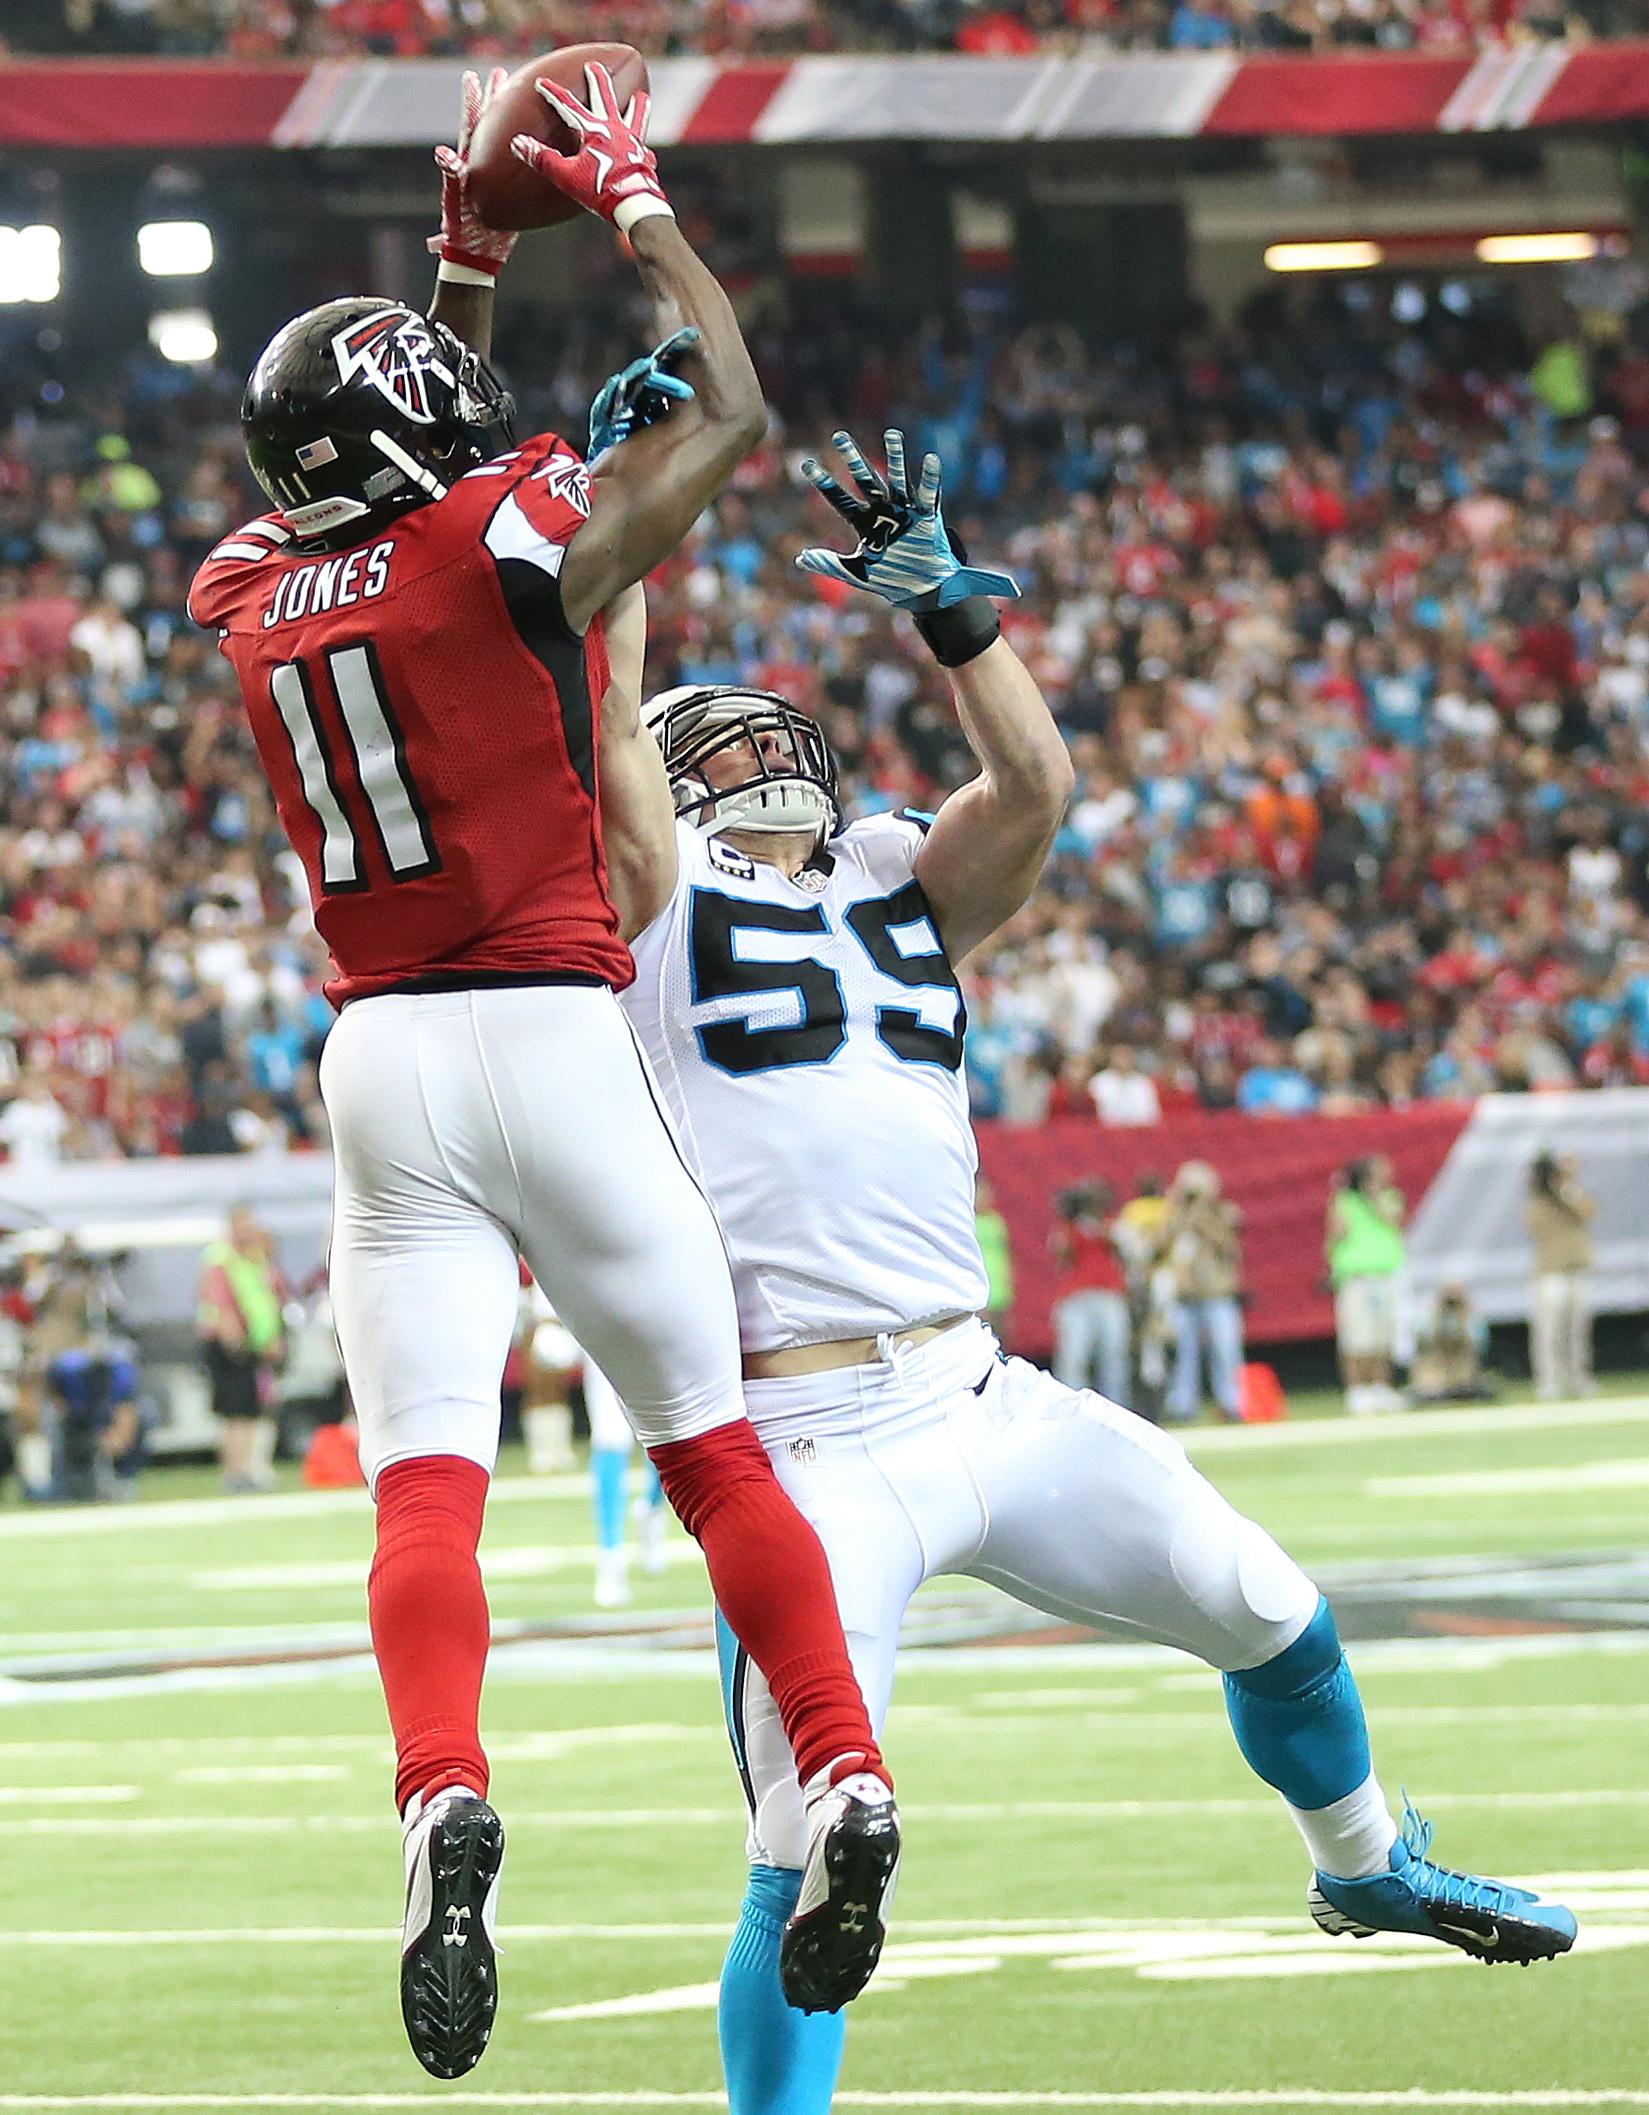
(1101, 1909)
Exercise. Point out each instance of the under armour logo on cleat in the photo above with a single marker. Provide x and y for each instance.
(457, 1918)
(855, 1915)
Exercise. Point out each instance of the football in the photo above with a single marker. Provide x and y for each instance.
(508, 195)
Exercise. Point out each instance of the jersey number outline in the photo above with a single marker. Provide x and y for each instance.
(718, 973)
(377, 748)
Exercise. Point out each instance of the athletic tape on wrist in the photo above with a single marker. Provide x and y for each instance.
(450, 273)
(644, 206)
(961, 633)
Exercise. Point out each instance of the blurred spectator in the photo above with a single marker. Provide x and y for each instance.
(1348, 634)
(33, 1125)
(1138, 1233)
(1366, 1257)
(243, 1340)
(79, 1418)
(1560, 1217)
(311, 1389)
(1092, 1326)
(1202, 1249)
(261, 29)
(1448, 1356)
(996, 1247)
(1122, 1093)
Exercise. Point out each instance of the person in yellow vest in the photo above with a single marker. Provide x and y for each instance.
(242, 1332)
(1366, 1256)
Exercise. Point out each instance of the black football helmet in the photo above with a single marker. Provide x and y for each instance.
(790, 780)
(365, 407)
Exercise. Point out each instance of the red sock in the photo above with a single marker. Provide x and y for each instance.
(430, 1628)
(772, 1583)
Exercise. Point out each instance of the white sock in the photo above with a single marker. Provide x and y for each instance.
(1352, 1839)
(263, 1448)
(34, 1461)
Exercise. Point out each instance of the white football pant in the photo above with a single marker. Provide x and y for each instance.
(949, 1458)
(467, 1125)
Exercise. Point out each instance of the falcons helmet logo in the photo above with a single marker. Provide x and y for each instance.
(396, 354)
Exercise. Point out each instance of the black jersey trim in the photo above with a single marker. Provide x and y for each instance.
(533, 599)
(484, 980)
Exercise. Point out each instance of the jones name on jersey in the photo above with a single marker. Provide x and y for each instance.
(807, 1035)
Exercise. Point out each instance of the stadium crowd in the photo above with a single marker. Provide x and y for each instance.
(257, 29)
(1348, 629)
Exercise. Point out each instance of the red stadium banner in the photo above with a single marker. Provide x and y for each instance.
(161, 103)
(1279, 1171)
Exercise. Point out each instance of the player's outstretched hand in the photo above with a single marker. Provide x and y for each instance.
(465, 238)
(905, 554)
(641, 394)
(613, 174)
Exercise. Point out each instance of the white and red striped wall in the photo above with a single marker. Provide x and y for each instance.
(179, 104)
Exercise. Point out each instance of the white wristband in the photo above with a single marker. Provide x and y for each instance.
(643, 206)
(449, 274)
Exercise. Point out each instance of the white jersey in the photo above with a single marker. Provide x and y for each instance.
(807, 1036)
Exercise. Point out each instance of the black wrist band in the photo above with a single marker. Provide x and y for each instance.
(961, 633)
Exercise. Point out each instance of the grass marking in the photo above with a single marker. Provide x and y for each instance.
(1410, 1431)
(722, 1817)
(1265, 2097)
(1631, 1473)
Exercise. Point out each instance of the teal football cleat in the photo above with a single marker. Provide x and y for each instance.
(1485, 1918)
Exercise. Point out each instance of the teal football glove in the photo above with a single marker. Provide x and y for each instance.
(905, 553)
(641, 394)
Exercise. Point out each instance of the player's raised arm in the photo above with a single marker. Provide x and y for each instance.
(638, 814)
(660, 483)
(981, 859)
(471, 255)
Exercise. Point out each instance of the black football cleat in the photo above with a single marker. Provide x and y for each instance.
(834, 1939)
(449, 1976)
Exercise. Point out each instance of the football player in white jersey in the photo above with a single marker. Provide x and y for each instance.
(797, 1000)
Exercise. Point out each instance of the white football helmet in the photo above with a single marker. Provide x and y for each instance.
(794, 792)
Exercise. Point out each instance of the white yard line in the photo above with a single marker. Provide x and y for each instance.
(1411, 1431)
(68, 1795)
(1625, 1473)
(1095, 1810)
(513, 1934)
(1419, 1426)
(1306, 2097)
(55, 1521)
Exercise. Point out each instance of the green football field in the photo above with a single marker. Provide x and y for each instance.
(1101, 1909)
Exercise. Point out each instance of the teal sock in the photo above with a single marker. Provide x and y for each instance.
(610, 1474)
(1299, 1720)
(776, 2061)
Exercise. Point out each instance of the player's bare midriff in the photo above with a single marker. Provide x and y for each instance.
(845, 1351)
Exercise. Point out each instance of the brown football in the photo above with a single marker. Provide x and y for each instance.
(507, 193)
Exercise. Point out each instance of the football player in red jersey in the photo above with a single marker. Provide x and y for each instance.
(417, 627)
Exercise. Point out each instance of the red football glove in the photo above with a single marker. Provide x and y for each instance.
(613, 174)
(465, 238)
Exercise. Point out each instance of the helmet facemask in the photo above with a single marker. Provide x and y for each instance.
(793, 791)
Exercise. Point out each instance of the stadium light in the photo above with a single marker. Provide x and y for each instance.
(174, 249)
(1323, 256)
(183, 335)
(31, 264)
(1537, 249)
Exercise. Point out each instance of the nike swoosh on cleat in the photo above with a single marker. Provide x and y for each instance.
(1488, 1940)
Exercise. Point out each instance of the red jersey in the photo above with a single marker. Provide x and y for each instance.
(427, 719)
